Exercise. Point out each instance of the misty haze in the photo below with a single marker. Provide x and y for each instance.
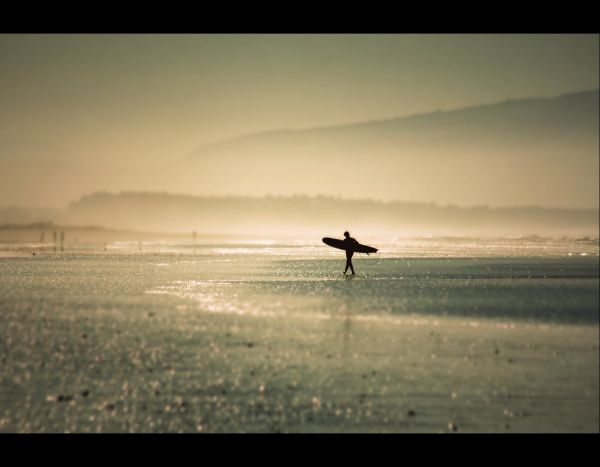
(163, 200)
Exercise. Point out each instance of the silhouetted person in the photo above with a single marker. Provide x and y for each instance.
(349, 241)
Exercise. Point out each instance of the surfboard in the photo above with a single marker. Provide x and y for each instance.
(340, 244)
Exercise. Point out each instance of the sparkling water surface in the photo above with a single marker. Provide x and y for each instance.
(271, 336)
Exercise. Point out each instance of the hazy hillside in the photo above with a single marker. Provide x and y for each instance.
(534, 151)
(541, 151)
(302, 215)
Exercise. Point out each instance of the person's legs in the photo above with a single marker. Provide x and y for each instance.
(349, 262)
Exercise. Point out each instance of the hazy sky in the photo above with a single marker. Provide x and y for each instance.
(130, 99)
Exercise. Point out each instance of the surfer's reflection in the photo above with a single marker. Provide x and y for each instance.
(346, 336)
(349, 253)
(345, 317)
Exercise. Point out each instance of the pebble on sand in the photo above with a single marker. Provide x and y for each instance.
(61, 398)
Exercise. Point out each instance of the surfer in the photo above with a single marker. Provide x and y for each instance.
(351, 246)
(349, 241)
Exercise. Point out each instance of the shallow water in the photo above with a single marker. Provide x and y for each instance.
(429, 336)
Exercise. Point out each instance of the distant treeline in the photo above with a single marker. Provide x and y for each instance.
(300, 213)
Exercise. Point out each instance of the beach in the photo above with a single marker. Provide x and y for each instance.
(429, 337)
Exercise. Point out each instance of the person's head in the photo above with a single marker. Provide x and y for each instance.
(346, 234)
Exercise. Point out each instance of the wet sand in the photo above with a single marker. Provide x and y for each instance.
(86, 353)
(225, 373)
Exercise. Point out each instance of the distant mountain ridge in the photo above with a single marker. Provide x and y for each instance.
(537, 151)
(579, 104)
(540, 151)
